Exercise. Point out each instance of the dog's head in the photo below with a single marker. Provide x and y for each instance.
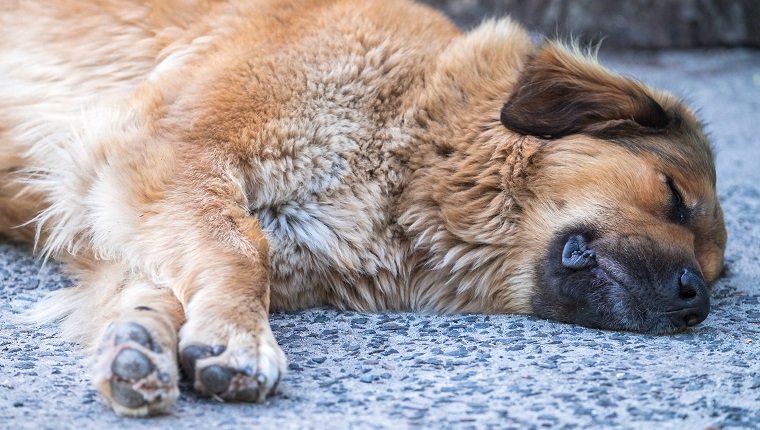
(623, 211)
(555, 187)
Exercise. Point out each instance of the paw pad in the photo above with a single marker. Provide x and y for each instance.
(133, 373)
(135, 333)
(222, 381)
(216, 378)
(193, 353)
(131, 364)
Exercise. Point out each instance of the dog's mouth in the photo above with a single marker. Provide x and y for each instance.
(634, 285)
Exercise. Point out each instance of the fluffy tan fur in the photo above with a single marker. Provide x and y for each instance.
(215, 160)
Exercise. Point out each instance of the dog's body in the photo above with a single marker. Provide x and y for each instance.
(196, 165)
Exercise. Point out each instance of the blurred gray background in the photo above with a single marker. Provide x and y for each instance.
(647, 24)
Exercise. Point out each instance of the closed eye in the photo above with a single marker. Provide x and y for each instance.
(678, 212)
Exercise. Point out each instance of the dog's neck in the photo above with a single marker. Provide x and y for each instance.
(460, 207)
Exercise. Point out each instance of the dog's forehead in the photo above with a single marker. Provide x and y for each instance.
(681, 149)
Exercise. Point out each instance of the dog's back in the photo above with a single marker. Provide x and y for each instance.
(73, 69)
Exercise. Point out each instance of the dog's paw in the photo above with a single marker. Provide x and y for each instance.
(244, 367)
(134, 373)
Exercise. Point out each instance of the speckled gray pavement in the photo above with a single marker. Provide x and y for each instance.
(351, 370)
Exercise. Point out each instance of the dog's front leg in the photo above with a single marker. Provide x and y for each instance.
(135, 364)
(226, 345)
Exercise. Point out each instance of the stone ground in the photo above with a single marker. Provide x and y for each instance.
(351, 370)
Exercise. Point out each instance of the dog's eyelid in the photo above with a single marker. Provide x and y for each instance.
(679, 212)
(677, 194)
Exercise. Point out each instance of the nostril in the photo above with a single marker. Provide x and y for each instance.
(687, 292)
(685, 288)
(689, 284)
(691, 303)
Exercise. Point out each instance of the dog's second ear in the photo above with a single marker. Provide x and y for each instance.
(561, 93)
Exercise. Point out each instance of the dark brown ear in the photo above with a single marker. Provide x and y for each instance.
(559, 93)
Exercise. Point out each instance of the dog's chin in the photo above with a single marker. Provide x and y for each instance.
(595, 298)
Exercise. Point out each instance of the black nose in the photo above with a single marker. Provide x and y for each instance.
(690, 303)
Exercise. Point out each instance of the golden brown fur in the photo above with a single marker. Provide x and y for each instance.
(197, 164)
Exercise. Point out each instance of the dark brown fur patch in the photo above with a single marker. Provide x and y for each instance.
(557, 96)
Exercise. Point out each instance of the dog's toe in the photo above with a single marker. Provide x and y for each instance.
(246, 370)
(134, 373)
(131, 364)
(193, 353)
(216, 378)
(123, 394)
(136, 333)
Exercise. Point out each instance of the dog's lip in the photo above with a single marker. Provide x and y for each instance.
(656, 327)
(673, 311)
